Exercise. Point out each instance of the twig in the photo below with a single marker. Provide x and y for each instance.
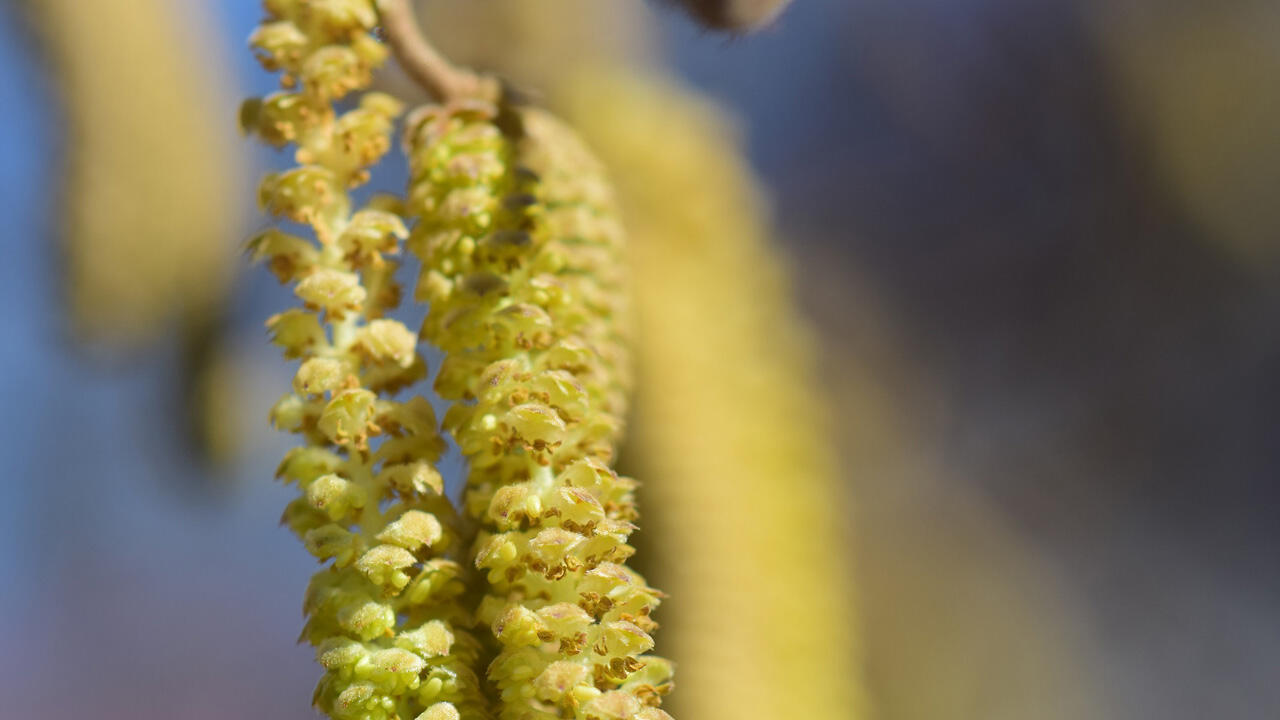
(425, 64)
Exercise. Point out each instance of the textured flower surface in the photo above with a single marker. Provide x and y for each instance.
(523, 270)
(384, 613)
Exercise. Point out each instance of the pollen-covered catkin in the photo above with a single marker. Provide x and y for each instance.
(523, 270)
(384, 614)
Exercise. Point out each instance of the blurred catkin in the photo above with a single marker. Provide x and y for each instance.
(523, 267)
(384, 615)
(1199, 81)
(728, 424)
(150, 166)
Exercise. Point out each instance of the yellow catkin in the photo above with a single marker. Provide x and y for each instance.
(728, 423)
(384, 614)
(1196, 82)
(150, 167)
(523, 270)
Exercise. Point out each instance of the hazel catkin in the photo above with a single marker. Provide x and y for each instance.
(384, 613)
(523, 268)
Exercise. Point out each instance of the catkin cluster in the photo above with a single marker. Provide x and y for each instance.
(384, 613)
(522, 267)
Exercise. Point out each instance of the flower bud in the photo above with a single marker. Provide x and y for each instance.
(341, 655)
(279, 46)
(440, 711)
(367, 620)
(333, 291)
(432, 639)
(304, 464)
(518, 626)
(298, 332)
(388, 341)
(335, 496)
(332, 72)
(320, 375)
(288, 256)
(413, 530)
(346, 419)
(385, 565)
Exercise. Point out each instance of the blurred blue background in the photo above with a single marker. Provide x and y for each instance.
(1046, 233)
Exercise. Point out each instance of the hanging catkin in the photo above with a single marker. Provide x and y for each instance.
(384, 614)
(523, 268)
(146, 216)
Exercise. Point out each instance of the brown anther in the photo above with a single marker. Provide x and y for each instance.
(593, 603)
(647, 695)
(600, 677)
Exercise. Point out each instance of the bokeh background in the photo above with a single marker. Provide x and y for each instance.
(1039, 243)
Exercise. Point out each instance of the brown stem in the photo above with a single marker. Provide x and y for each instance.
(425, 64)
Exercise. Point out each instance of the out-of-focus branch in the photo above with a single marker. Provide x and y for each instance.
(424, 63)
(734, 15)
